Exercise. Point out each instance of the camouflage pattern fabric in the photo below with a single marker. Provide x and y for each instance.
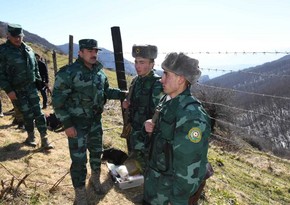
(17, 114)
(28, 103)
(146, 94)
(90, 136)
(178, 152)
(18, 73)
(78, 98)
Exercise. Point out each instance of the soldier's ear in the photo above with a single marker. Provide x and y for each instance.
(80, 53)
(181, 79)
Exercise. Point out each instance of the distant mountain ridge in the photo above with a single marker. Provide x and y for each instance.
(260, 96)
(29, 37)
(268, 78)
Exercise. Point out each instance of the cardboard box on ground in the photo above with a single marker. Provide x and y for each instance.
(122, 178)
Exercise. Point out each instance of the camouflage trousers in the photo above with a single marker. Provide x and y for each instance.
(157, 188)
(89, 137)
(28, 103)
(160, 189)
(17, 114)
(138, 150)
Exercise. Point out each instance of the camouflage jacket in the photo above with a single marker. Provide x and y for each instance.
(146, 93)
(80, 93)
(179, 146)
(18, 67)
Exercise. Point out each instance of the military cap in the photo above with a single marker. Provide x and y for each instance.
(144, 51)
(15, 30)
(88, 44)
(180, 64)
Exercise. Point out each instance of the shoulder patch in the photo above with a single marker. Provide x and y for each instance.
(194, 135)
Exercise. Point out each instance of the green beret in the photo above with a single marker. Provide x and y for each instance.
(144, 51)
(180, 64)
(15, 30)
(88, 44)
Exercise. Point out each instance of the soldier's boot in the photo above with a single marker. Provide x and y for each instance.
(138, 199)
(95, 182)
(80, 196)
(30, 140)
(44, 143)
(21, 125)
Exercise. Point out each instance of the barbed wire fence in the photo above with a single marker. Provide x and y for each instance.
(260, 74)
(233, 125)
(274, 117)
(251, 127)
(216, 52)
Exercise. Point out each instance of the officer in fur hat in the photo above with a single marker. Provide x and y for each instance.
(79, 94)
(18, 73)
(144, 94)
(179, 143)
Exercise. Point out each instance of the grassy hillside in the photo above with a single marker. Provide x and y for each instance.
(243, 175)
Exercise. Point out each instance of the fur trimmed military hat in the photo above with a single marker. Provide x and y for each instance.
(180, 64)
(15, 30)
(144, 51)
(88, 44)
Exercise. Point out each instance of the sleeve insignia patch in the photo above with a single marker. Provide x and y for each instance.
(194, 134)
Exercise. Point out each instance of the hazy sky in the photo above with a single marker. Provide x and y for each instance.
(181, 25)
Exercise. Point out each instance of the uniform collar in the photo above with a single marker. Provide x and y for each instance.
(185, 93)
(149, 75)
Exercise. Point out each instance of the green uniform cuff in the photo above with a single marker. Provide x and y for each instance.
(67, 124)
(123, 95)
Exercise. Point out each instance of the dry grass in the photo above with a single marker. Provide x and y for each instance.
(47, 180)
(243, 176)
(46, 169)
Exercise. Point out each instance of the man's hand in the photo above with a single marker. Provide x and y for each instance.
(12, 95)
(149, 126)
(126, 104)
(71, 132)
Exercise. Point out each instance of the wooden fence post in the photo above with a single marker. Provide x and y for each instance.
(71, 48)
(54, 62)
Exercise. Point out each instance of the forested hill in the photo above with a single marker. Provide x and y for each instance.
(254, 104)
(29, 37)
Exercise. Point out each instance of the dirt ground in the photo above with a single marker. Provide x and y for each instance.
(37, 177)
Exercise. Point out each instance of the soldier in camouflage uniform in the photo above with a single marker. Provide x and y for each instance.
(179, 147)
(145, 93)
(79, 94)
(18, 73)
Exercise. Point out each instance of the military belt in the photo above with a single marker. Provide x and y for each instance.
(86, 120)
